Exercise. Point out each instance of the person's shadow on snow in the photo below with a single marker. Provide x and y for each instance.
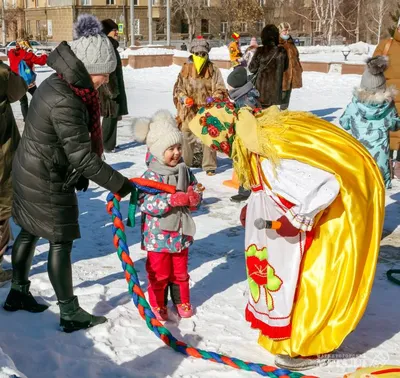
(324, 113)
(40, 350)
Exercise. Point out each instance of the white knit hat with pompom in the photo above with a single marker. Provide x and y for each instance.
(159, 133)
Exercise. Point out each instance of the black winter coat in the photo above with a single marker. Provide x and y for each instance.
(55, 142)
(112, 95)
(12, 88)
(270, 62)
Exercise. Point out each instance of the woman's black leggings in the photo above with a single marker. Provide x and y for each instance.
(58, 264)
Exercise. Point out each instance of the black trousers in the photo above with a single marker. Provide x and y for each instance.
(109, 133)
(58, 264)
(24, 102)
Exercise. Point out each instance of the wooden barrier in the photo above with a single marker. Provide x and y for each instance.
(147, 61)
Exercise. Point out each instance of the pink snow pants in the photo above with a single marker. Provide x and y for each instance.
(165, 268)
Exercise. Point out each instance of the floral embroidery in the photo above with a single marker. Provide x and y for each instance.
(261, 275)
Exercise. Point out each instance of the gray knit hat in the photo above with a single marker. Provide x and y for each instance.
(92, 47)
(237, 78)
(199, 45)
(373, 79)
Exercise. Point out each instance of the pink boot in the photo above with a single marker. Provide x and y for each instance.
(185, 310)
(161, 313)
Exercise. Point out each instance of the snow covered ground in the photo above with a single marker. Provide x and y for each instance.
(124, 347)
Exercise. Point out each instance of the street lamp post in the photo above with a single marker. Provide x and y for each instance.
(150, 8)
(132, 14)
(3, 23)
(346, 52)
(168, 23)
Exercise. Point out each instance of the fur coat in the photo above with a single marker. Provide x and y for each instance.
(292, 78)
(209, 83)
(269, 63)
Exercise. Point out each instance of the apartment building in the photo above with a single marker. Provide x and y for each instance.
(51, 20)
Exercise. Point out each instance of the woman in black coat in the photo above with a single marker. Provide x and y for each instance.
(112, 95)
(269, 63)
(60, 151)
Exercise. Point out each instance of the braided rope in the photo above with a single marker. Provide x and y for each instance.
(390, 277)
(139, 299)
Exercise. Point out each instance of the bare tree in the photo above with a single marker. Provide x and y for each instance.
(241, 16)
(323, 14)
(192, 10)
(376, 13)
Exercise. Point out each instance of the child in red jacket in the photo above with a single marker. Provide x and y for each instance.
(23, 51)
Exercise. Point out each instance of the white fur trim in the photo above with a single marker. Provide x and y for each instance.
(140, 129)
(375, 98)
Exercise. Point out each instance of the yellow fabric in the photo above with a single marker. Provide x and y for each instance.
(199, 63)
(339, 267)
(386, 371)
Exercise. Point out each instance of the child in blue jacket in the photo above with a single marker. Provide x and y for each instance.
(372, 114)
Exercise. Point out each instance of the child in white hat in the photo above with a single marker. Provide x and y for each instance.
(167, 225)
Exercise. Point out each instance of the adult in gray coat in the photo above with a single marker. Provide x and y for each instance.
(12, 88)
(61, 150)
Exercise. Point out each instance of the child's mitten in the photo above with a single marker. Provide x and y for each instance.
(286, 229)
(179, 199)
(243, 214)
(194, 198)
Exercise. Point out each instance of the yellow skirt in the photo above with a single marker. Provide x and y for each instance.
(338, 270)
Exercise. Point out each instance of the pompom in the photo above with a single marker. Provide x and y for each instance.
(164, 116)
(87, 25)
(140, 129)
(377, 64)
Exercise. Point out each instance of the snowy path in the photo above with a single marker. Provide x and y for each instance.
(124, 347)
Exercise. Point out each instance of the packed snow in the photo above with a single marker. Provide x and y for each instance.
(124, 346)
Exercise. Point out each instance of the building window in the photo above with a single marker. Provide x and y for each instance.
(261, 3)
(49, 28)
(110, 2)
(85, 2)
(158, 2)
(205, 26)
(224, 27)
(260, 25)
(243, 27)
(137, 27)
(184, 27)
(207, 3)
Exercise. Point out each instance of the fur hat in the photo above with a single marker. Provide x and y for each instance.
(270, 35)
(159, 133)
(284, 26)
(199, 45)
(237, 78)
(373, 79)
(108, 26)
(93, 47)
(253, 42)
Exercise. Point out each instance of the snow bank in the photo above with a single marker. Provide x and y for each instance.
(360, 48)
(147, 51)
(7, 367)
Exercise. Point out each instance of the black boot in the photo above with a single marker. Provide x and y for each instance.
(73, 317)
(20, 298)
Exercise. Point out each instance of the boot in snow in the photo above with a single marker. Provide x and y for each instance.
(73, 317)
(20, 298)
(5, 276)
(299, 363)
